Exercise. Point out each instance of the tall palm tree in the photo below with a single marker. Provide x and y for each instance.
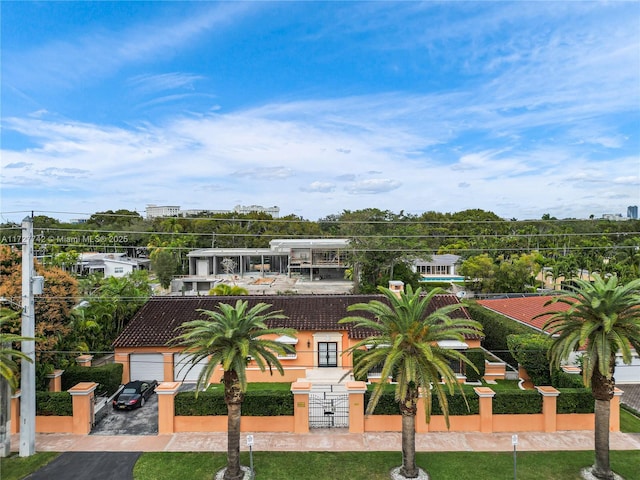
(603, 319)
(230, 337)
(405, 335)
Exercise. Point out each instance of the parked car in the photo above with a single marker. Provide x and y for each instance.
(134, 394)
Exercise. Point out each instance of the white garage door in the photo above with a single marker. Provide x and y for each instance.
(184, 371)
(628, 373)
(146, 366)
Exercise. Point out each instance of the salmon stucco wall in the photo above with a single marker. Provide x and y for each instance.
(247, 424)
(50, 424)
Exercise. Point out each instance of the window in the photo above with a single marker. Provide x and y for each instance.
(118, 270)
(292, 343)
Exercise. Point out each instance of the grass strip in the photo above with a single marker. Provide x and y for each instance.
(376, 465)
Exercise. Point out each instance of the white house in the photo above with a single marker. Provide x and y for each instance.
(109, 264)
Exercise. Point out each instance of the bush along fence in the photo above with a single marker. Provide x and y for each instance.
(545, 409)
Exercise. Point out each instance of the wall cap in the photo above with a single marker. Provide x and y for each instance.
(547, 391)
(83, 388)
(484, 392)
(167, 388)
(301, 388)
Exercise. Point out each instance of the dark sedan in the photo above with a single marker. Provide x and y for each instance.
(134, 394)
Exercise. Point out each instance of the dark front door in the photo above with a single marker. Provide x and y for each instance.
(327, 354)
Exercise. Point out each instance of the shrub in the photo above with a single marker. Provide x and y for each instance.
(457, 404)
(496, 328)
(387, 404)
(517, 402)
(530, 351)
(261, 403)
(54, 404)
(560, 379)
(575, 400)
(477, 357)
(108, 377)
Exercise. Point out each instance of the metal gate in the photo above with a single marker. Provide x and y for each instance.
(328, 410)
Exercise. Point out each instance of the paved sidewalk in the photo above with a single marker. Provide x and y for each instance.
(329, 440)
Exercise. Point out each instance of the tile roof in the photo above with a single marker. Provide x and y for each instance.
(523, 309)
(156, 322)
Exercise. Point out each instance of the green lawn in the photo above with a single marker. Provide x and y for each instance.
(356, 465)
(376, 465)
(15, 467)
(629, 423)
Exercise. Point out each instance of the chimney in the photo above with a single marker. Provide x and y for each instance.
(397, 287)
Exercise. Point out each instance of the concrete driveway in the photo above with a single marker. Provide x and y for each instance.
(141, 421)
(93, 465)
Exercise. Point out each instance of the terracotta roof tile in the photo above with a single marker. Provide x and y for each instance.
(156, 322)
(523, 309)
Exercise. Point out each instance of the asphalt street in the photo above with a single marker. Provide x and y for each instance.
(93, 465)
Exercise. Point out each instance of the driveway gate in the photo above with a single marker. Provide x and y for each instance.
(328, 410)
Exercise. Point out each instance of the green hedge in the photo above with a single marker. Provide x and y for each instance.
(256, 404)
(387, 404)
(477, 357)
(108, 377)
(496, 328)
(560, 379)
(457, 404)
(519, 402)
(54, 404)
(575, 400)
(530, 351)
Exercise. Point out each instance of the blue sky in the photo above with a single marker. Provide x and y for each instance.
(317, 107)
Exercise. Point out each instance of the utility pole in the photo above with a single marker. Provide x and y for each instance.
(28, 368)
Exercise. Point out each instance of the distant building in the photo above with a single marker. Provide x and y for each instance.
(156, 211)
(613, 216)
(632, 212)
(441, 268)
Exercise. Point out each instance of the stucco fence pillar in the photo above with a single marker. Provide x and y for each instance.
(549, 408)
(15, 413)
(82, 396)
(123, 358)
(55, 380)
(166, 393)
(301, 392)
(614, 419)
(486, 395)
(84, 360)
(356, 392)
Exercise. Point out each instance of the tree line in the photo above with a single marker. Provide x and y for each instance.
(383, 243)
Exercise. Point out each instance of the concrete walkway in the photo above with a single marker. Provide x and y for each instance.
(329, 440)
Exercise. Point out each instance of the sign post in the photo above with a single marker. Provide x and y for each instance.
(514, 442)
(250, 445)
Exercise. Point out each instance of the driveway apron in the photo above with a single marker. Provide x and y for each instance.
(141, 421)
(93, 465)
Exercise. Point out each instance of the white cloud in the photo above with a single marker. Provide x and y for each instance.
(373, 186)
(322, 187)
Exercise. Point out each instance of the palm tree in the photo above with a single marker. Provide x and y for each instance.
(8, 379)
(8, 355)
(230, 337)
(405, 342)
(222, 289)
(603, 319)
